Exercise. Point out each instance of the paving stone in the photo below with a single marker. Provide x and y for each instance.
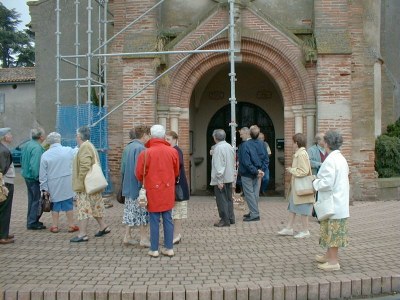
(324, 290)
(204, 293)
(366, 286)
(396, 283)
(356, 287)
(335, 289)
(345, 288)
(386, 284)
(313, 290)
(376, 287)
(301, 291)
(279, 292)
(290, 292)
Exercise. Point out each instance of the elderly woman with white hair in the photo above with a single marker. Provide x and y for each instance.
(158, 168)
(55, 178)
(332, 184)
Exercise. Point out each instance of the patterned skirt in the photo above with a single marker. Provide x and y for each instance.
(333, 233)
(134, 215)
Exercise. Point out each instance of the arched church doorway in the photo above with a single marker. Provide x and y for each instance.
(259, 102)
(247, 114)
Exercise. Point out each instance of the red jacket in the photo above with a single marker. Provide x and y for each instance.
(162, 168)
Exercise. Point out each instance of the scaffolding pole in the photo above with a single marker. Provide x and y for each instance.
(232, 73)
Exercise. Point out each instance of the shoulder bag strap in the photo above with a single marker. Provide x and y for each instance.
(94, 153)
(144, 167)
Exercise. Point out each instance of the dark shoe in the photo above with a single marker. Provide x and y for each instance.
(222, 224)
(79, 239)
(246, 215)
(36, 227)
(232, 222)
(251, 219)
(6, 241)
(103, 232)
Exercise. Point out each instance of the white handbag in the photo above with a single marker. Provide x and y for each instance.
(324, 209)
(95, 181)
(303, 185)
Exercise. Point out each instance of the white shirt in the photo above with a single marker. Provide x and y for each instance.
(333, 182)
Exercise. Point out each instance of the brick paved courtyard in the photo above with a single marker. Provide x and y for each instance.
(244, 261)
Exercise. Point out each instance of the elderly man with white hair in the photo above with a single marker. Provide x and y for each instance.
(55, 178)
(30, 164)
(158, 169)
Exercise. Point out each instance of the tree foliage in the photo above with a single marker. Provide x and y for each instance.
(387, 149)
(16, 46)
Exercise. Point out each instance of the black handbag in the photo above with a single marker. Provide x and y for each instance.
(120, 198)
(178, 191)
(46, 203)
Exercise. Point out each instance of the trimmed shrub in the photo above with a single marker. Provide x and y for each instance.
(387, 152)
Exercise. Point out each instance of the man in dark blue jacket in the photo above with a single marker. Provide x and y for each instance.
(252, 161)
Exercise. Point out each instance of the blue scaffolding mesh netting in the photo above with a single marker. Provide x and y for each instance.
(71, 117)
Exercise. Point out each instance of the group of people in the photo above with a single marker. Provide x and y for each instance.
(253, 162)
(153, 161)
(324, 160)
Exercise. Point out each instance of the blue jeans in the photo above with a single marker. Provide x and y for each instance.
(264, 182)
(250, 189)
(155, 229)
(34, 211)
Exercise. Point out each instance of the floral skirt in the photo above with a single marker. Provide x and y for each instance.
(333, 233)
(134, 215)
(89, 205)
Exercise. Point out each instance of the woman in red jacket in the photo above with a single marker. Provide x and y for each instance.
(158, 168)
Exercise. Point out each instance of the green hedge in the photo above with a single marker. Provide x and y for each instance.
(387, 150)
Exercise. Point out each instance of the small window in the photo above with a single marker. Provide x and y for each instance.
(2, 103)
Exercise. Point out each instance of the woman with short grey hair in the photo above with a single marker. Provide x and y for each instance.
(333, 183)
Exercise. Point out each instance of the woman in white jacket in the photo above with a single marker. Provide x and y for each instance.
(333, 183)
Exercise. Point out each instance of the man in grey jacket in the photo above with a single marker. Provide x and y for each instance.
(222, 176)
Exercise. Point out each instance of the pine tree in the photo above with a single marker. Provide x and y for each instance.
(16, 47)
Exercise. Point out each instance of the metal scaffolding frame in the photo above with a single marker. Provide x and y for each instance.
(99, 80)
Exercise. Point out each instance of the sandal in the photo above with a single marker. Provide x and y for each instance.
(79, 239)
(54, 229)
(73, 228)
(103, 232)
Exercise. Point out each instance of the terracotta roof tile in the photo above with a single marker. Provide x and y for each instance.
(17, 74)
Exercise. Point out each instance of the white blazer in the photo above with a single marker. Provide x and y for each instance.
(333, 182)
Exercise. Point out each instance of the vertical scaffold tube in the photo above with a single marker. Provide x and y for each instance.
(232, 73)
(58, 63)
(77, 60)
(89, 61)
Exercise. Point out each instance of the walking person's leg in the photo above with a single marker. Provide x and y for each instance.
(249, 194)
(168, 230)
(154, 231)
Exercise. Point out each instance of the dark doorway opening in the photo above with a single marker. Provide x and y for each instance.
(247, 114)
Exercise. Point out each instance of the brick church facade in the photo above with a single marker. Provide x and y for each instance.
(303, 66)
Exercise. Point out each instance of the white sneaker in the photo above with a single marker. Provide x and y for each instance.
(144, 243)
(153, 253)
(285, 231)
(328, 267)
(177, 239)
(302, 234)
(167, 252)
(321, 258)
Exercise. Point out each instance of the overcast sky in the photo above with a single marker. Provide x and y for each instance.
(21, 7)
